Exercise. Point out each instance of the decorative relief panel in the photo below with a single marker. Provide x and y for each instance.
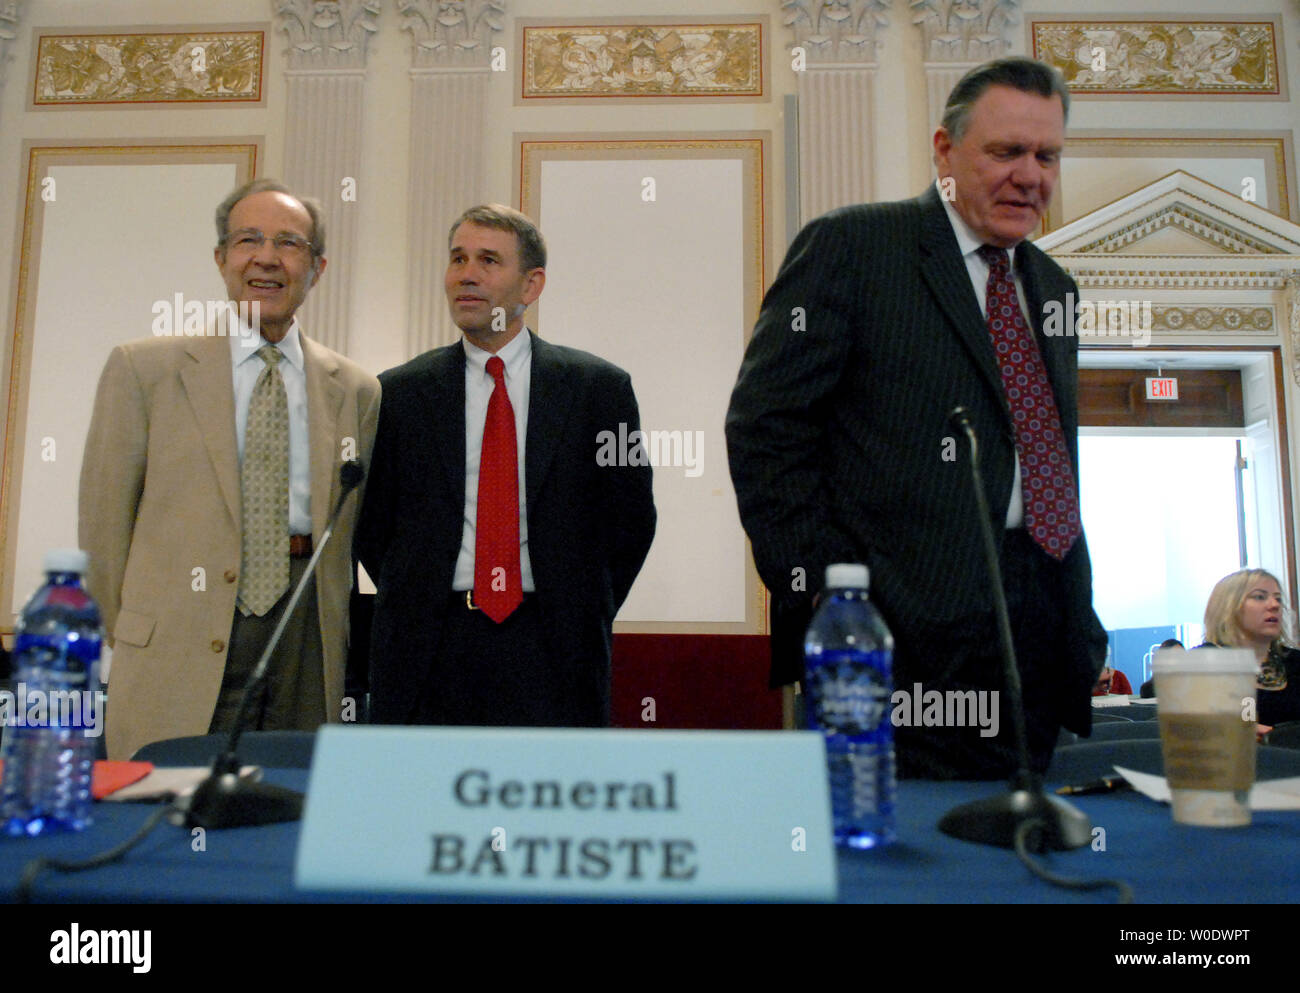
(643, 60)
(1168, 58)
(1184, 320)
(1293, 307)
(964, 30)
(327, 34)
(455, 33)
(181, 67)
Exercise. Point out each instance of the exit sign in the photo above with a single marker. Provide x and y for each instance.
(1163, 388)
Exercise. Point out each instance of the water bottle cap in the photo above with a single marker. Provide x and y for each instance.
(66, 560)
(846, 576)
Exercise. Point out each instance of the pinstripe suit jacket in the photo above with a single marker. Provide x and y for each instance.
(839, 440)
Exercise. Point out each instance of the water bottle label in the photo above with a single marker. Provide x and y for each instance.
(849, 695)
(53, 687)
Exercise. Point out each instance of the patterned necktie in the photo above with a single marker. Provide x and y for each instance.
(264, 489)
(498, 582)
(1046, 474)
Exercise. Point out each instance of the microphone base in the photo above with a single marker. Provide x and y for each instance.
(226, 799)
(994, 820)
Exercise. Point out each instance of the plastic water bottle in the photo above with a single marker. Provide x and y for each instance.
(849, 656)
(48, 754)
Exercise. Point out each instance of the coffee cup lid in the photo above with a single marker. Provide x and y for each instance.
(1205, 660)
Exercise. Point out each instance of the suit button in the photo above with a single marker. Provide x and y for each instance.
(230, 575)
(218, 645)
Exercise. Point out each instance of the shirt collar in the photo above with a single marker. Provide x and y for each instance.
(967, 241)
(514, 355)
(290, 346)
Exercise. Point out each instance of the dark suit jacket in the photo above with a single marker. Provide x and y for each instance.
(589, 525)
(840, 445)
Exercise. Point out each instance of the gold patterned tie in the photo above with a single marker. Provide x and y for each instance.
(264, 487)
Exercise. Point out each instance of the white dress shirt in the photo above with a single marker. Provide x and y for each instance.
(479, 384)
(247, 367)
(969, 245)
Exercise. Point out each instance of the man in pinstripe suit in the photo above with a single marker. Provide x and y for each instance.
(841, 448)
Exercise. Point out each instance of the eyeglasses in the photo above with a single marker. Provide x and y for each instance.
(249, 240)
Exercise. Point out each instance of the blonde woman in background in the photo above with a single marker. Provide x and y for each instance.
(1247, 610)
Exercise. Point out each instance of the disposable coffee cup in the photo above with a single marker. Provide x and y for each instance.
(1207, 732)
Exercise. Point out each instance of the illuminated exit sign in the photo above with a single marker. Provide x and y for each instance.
(1162, 388)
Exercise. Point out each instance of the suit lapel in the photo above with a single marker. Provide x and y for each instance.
(210, 388)
(549, 404)
(948, 279)
(443, 397)
(324, 401)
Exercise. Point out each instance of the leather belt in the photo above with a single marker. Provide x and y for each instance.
(464, 599)
(299, 546)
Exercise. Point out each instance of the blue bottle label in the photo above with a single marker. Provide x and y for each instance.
(848, 693)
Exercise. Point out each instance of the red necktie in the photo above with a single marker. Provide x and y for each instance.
(498, 583)
(1046, 475)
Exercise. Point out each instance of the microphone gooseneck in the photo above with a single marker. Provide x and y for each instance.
(1042, 821)
(226, 799)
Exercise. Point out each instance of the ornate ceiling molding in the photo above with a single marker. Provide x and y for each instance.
(1145, 275)
(327, 34)
(452, 34)
(836, 32)
(964, 30)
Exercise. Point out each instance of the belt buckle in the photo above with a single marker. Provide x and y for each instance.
(469, 600)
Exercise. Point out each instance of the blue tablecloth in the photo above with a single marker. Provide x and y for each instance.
(1136, 840)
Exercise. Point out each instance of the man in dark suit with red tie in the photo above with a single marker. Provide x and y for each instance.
(884, 318)
(500, 546)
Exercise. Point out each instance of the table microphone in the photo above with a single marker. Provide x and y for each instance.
(225, 798)
(997, 820)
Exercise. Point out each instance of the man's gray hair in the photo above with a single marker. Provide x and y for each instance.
(314, 209)
(1026, 75)
(532, 247)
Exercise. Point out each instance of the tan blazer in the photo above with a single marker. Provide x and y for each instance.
(160, 516)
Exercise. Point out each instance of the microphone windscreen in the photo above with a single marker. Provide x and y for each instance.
(351, 473)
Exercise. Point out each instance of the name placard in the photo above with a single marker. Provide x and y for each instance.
(663, 815)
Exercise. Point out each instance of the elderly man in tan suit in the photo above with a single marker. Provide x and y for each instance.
(211, 465)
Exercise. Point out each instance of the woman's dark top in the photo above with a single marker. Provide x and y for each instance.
(1279, 706)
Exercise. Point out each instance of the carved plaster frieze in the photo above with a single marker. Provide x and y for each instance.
(643, 60)
(1293, 311)
(149, 68)
(1162, 58)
